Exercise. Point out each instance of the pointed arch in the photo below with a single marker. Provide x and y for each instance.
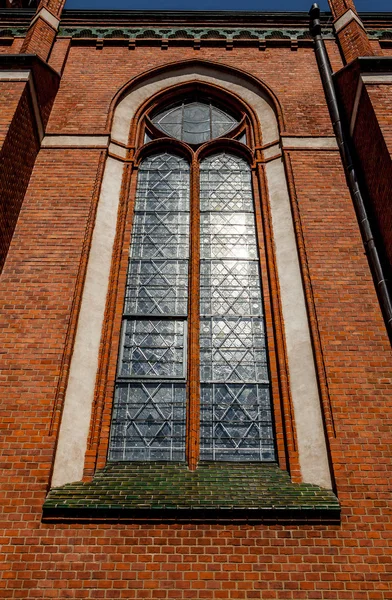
(259, 99)
(195, 70)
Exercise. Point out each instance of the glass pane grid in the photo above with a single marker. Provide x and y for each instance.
(148, 421)
(230, 287)
(157, 287)
(153, 348)
(160, 235)
(236, 418)
(232, 349)
(157, 284)
(228, 235)
(236, 422)
(225, 184)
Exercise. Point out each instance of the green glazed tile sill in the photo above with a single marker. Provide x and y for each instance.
(215, 492)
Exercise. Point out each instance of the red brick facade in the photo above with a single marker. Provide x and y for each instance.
(50, 193)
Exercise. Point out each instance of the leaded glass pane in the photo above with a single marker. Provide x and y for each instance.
(233, 349)
(160, 235)
(236, 418)
(170, 121)
(149, 415)
(225, 184)
(242, 138)
(157, 287)
(152, 348)
(221, 122)
(148, 422)
(230, 287)
(228, 235)
(157, 281)
(194, 122)
(163, 184)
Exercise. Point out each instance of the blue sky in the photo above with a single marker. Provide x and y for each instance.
(268, 5)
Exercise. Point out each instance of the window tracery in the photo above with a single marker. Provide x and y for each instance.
(194, 122)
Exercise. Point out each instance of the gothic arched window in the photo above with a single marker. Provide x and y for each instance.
(193, 381)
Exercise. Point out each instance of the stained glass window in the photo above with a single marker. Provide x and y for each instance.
(236, 421)
(194, 122)
(149, 408)
(150, 416)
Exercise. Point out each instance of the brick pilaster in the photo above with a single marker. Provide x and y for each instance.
(27, 91)
(350, 31)
(43, 28)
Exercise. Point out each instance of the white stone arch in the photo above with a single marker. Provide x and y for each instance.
(73, 435)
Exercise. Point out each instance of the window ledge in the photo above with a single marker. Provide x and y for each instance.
(215, 492)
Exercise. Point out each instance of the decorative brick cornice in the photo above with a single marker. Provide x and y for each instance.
(131, 25)
(191, 33)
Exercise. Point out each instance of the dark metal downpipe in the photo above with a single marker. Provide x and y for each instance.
(359, 205)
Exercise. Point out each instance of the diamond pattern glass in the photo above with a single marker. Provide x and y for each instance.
(225, 185)
(230, 287)
(148, 420)
(160, 235)
(157, 287)
(194, 122)
(236, 418)
(228, 235)
(233, 349)
(152, 348)
(157, 284)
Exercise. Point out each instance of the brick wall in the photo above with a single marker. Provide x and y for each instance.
(39, 39)
(19, 147)
(354, 41)
(351, 561)
(37, 288)
(13, 47)
(381, 98)
(89, 85)
(19, 137)
(374, 152)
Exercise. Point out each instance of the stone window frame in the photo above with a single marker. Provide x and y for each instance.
(309, 455)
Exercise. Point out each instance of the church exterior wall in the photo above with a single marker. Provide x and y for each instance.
(41, 289)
